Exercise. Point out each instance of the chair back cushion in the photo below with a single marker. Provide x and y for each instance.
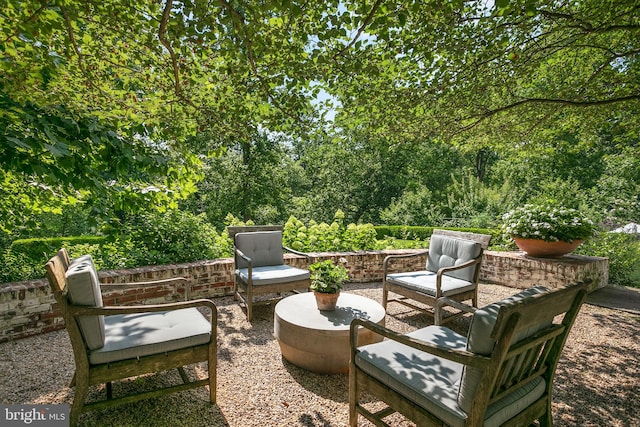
(84, 289)
(263, 247)
(448, 251)
(479, 340)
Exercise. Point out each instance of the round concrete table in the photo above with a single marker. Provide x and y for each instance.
(319, 340)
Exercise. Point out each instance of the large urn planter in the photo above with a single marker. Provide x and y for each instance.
(325, 301)
(543, 249)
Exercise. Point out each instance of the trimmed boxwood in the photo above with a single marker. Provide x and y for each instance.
(407, 232)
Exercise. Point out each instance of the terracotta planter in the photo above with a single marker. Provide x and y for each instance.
(326, 302)
(543, 249)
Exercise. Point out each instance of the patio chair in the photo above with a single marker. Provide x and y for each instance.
(450, 277)
(116, 342)
(260, 267)
(500, 374)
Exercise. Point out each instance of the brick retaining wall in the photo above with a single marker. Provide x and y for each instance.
(28, 308)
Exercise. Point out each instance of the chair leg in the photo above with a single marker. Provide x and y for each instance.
(385, 296)
(211, 366)
(249, 310)
(248, 302)
(82, 388)
(547, 419)
(353, 397)
(437, 315)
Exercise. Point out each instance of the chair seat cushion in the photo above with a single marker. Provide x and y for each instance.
(432, 382)
(269, 275)
(425, 282)
(135, 335)
(426, 380)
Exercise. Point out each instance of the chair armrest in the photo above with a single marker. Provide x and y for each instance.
(79, 310)
(459, 266)
(390, 258)
(243, 256)
(131, 285)
(293, 251)
(460, 356)
(443, 270)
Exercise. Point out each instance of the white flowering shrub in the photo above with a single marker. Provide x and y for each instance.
(549, 223)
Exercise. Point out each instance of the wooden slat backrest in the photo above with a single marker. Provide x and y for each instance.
(537, 354)
(483, 239)
(56, 270)
(536, 309)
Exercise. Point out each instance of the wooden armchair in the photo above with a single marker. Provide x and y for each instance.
(260, 267)
(501, 374)
(113, 343)
(449, 279)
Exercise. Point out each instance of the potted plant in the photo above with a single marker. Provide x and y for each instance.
(327, 279)
(547, 231)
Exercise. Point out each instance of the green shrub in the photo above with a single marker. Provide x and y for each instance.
(149, 239)
(393, 243)
(359, 237)
(25, 258)
(18, 266)
(45, 247)
(405, 232)
(623, 251)
(323, 237)
(170, 237)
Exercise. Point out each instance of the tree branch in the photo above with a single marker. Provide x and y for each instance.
(550, 101)
(364, 25)
(585, 26)
(162, 33)
(74, 43)
(30, 18)
(251, 56)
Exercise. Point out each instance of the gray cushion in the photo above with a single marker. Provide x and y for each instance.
(432, 382)
(425, 282)
(273, 274)
(84, 289)
(480, 342)
(426, 380)
(263, 247)
(447, 251)
(136, 335)
(514, 403)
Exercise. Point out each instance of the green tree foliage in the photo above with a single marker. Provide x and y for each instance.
(252, 179)
(413, 207)
(623, 251)
(617, 192)
(464, 69)
(472, 203)
(122, 107)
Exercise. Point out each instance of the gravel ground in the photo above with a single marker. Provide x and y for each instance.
(597, 381)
